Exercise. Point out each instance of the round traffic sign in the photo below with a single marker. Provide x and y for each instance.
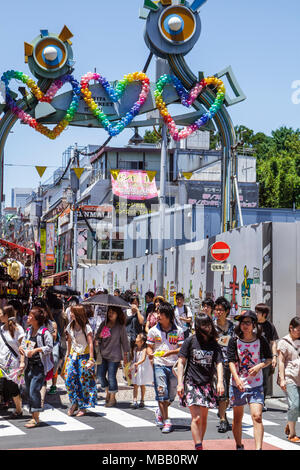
(220, 251)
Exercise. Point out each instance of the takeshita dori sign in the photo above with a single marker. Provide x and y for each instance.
(134, 185)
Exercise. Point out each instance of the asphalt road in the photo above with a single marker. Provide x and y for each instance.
(122, 428)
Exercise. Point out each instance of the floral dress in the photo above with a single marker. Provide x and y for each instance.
(80, 381)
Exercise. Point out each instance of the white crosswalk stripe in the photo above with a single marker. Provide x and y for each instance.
(60, 421)
(8, 429)
(122, 418)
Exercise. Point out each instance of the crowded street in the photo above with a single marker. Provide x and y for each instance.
(149, 230)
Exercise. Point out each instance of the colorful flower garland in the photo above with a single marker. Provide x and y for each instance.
(187, 99)
(115, 94)
(114, 128)
(40, 96)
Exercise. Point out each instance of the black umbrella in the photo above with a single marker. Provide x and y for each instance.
(63, 290)
(106, 300)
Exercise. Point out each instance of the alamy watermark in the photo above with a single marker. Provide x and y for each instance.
(296, 93)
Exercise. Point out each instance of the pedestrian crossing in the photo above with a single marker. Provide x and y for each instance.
(128, 419)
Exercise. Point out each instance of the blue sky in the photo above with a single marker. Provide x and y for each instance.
(259, 39)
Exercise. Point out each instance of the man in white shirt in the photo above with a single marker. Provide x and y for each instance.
(164, 341)
(183, 315)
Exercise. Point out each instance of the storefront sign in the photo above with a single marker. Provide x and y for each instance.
(134, 192)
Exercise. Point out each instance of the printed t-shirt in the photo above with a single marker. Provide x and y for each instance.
(247, 355)
(224, 338)
(183, 311)
(165, 341)
(31, 344)
(290, 350)
(202, 359)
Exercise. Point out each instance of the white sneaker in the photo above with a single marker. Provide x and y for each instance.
(167, 427)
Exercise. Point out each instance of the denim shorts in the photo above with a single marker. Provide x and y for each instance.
(247, 397)
(165, 383)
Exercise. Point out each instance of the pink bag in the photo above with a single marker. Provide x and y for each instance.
(105, 333)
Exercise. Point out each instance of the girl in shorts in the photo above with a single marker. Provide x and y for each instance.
(201, 355)
(248, 353)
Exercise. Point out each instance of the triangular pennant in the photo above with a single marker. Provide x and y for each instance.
(187, 175)
(78, 172)
(41, 170)
(151, 175)
(114, 173)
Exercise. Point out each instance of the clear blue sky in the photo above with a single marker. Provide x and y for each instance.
(259, 39)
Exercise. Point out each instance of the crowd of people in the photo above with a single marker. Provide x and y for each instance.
(206, 358)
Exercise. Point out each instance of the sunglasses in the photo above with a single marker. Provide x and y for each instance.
(247, 322)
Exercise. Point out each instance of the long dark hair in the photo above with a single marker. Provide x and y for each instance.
(120, 314)
(202, 336)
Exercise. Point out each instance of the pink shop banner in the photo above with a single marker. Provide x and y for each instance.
(134, 185)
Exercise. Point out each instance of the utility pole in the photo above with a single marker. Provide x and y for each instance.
(75, 187)
(162, 206)
(162, 67)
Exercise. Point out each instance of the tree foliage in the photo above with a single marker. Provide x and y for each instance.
(278, 165)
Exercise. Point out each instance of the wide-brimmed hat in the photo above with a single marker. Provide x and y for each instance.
(246, 314)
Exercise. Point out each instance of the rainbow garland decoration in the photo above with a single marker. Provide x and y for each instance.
(115, 93)
(40, 96)
(187, 99)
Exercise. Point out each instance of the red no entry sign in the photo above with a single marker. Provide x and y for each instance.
(220, 251)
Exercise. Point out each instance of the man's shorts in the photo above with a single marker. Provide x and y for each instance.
(165, 383)
(247, 397)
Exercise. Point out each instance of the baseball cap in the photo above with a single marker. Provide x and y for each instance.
(246, 314)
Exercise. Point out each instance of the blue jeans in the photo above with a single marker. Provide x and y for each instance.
(107, 374)
(293, 398)
(165, 383)
(34, 381)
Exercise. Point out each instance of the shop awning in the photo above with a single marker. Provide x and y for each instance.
(14, 246)
(49, 280)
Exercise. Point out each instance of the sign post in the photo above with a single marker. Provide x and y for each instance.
(220, 252)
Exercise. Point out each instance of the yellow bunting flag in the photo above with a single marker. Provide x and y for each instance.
(114, 173)
(187, 175)
(78, 172)
(151, 175)
(41, 170)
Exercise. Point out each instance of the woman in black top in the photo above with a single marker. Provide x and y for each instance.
(202, 355)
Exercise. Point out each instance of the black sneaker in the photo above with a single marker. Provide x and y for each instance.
(240, 447)
(223, 426)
